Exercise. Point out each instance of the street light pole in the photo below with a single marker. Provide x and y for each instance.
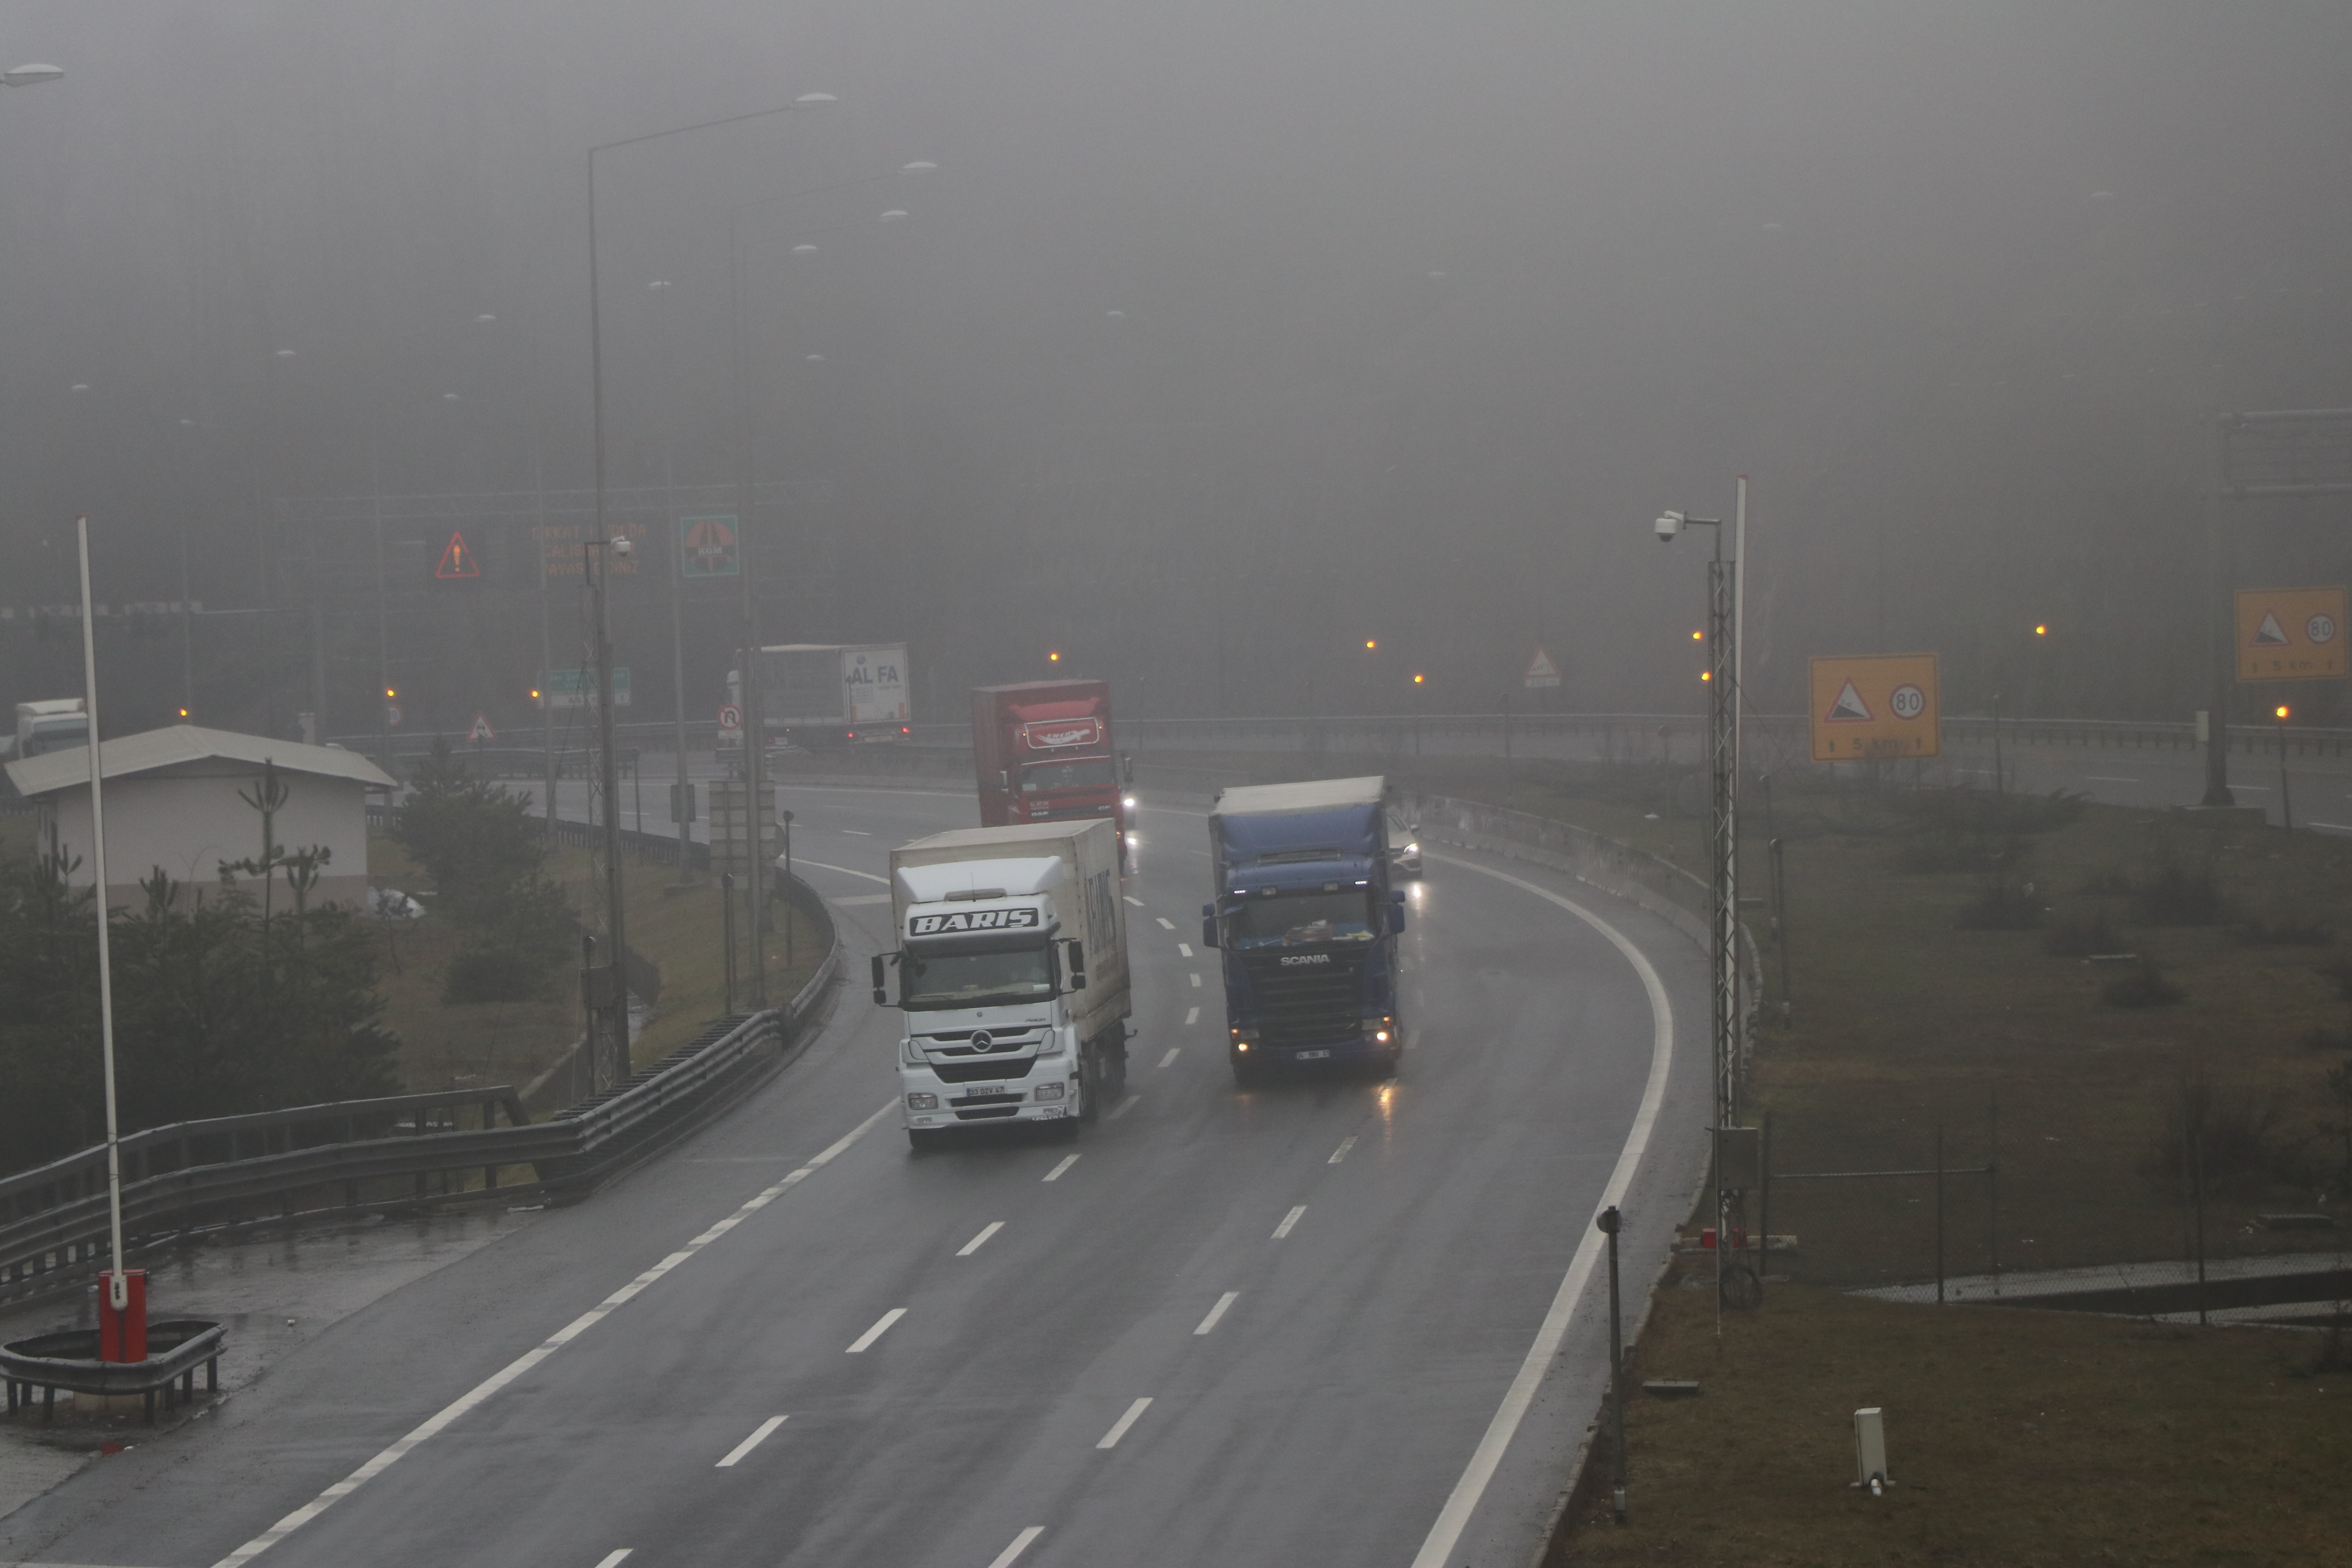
(609, 996)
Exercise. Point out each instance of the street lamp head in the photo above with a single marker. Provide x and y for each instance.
(1668, 525)
(2282, 711)
(920, 167)
(31, 75)
(803, 250)
(814, 101)
(894, 215)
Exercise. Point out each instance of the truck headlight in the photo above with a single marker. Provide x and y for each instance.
(1049, 1091)
(1381, 1035)
(920, 1102)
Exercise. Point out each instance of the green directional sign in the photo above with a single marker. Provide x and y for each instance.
(577, 688)
(709, 547)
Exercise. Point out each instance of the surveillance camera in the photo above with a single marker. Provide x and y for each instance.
(623, 547)
(1668, 525)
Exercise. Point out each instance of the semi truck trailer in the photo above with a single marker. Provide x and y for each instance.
(1305, 924)
(1042, 752)
(53, 725)
(816, 695)
(1012, 977)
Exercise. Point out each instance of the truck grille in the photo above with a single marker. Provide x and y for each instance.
(984, 1068)
(1309, 1003)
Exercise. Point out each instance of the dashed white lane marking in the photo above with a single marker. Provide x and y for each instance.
(1437, 1549)
(1165, 923)
(531, 1358)
(1119, 1427)
(977, 1242)
(845, 870)
(614, 1559)
(1192, 1015)
(1174, 1052)
(1196, 980)
(1341, 1152)
(1007, 1558)
(1123, 1107)
(1287, 1221)
(1223, 1301)
(1132, 899)
(857, 1346)
(1055, 1174)
(859, 831)
(759, 1435)
(1185, 949)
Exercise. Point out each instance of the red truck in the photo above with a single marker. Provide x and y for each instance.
(1042, 752)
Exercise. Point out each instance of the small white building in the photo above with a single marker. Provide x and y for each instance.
(173, 800)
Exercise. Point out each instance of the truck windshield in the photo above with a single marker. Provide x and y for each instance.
(1094, 772)
(1296, 918)
(937, 975)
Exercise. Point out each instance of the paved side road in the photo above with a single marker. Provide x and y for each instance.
(1322, 1322)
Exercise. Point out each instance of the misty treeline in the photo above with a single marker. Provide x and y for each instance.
(1218, 341)
(484, 852)
(222, 1005)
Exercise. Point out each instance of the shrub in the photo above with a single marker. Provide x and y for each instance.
(2240, 1142)
(2142, 985)
(2284, 930)
(2178, 896)
(2081, 938)
(2002, 905)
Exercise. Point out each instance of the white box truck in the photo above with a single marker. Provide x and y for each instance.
(1013, 976)
(49, 726)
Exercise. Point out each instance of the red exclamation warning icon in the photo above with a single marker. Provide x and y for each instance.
(458, 561)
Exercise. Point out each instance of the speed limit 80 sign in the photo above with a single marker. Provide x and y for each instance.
(1875, 706)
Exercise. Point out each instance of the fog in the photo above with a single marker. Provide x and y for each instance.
(1222, 338)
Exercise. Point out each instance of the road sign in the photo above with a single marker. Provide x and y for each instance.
(2291, 633)
(1881, 706)
(577, 688)
(1541, 671)
(481, 729)
(458, 561)
(730, 720)
(707, 547)
(391, 713)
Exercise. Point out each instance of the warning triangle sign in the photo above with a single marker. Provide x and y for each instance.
(1849, 708)
(1541, 671)
(2269, 634)
(458, 561)
(481, 729)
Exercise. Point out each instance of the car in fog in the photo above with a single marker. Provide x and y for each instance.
(1404, 846)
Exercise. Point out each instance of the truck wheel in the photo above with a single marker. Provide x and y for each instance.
(1247, 1075)
(925, 1140)
(1386, 1067)
(1114, 1067)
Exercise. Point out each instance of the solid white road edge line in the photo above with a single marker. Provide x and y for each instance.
(1437, 1551)
(857, 1346)
(759, 1435)
(1223, 1301)
(506, 1374)
(1006, 1558)
(1174, 1052)
(845, 870)
(1341, 1152)
(1287, 1221)
(1055, 1174)
(977, 1242)
(1119, 1427)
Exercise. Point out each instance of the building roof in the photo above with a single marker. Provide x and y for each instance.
(185, 743)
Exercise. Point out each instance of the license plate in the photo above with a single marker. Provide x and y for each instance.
(1308, 1055)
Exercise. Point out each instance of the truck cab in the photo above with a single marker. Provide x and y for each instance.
(1306, 923)
(1042, 752)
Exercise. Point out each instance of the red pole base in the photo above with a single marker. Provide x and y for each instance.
(122, 1335)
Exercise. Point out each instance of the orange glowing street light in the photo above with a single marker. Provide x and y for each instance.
(1053, 659)
(1699, 635)
(1418, 679)
(2282, 714)
(1371, 642)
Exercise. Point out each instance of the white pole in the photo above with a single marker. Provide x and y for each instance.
(119, 1285)
(1738, 708)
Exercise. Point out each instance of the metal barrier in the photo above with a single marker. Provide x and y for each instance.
(52, 1220)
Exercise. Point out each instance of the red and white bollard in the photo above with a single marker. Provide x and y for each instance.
(123, 1330)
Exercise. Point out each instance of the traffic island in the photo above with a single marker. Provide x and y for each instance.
(69, 1360)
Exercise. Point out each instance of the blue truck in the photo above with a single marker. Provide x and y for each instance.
(1305, 924)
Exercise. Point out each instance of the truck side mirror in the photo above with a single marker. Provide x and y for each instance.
(1077, 967)
(1003, 779)
(1208, 925)
(881, 989)
(1396, 917)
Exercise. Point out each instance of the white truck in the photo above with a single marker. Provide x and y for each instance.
(1013, 976)
(50, 726)
(821, 695)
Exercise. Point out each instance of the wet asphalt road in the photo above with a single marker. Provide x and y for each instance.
(1324, 1290)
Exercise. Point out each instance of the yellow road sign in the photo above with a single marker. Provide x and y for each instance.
(2291, 633)
(1875, 706)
